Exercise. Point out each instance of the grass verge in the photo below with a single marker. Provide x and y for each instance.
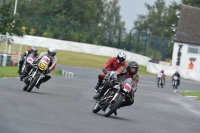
(11, 71)
(191, 93)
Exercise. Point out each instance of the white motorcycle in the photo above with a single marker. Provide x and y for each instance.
(175, 82)
(160, 80)
(36, 73)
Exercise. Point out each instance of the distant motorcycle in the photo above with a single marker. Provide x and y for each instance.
(175, 82)
(36, 73)
(113, 97)
(27, 60)
(160, 80)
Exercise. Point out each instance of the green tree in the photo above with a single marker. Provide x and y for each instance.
(112, 23)
(157, 23)
(9, 22)
(195, 3)
(88, 21)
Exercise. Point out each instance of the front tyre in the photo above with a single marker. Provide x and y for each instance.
(32, 84)
(96, 107)
(113, 106)
(25, 87)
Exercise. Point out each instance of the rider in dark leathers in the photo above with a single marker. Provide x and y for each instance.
(179, 77)
(33, 50)
(120, 75)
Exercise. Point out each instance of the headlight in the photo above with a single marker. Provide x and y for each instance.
(42, 66)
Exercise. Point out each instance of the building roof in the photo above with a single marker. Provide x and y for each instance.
(188, 29)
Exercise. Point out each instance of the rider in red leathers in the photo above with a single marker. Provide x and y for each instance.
(111, 65)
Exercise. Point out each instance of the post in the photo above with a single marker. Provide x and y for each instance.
(164, 49)
(15, 9)
(20, 51)
(138, 40)
(155, 50)
(119, 39)
(63, 28)
(6, 43)
(145, 44)
(109, 38)
(9, 49)
(129, 42)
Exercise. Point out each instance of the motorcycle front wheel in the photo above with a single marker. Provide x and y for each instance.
(96, 107)
(114, 105)
(32, 84)
(25, 87)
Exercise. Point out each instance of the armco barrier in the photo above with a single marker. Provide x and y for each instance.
(5, 60)
(66, 73)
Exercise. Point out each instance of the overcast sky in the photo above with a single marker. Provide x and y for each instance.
(130, 9)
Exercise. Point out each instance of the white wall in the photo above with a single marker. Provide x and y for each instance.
(79, 47)
(185, 57)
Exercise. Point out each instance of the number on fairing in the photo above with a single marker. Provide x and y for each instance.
(175, 77)
(45, 60)
(127, 88)
(29, 60)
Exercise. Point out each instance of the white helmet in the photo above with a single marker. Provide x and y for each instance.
(52, 52)
(34, 49)
(121, 57)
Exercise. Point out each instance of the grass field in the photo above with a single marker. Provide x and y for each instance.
(192, 93)
(74, 59)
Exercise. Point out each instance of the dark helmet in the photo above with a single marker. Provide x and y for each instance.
(51, 52)
(121, 57)
(162, 71)
(34, 49)
(132, 64)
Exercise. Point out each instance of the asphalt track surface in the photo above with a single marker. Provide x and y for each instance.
(64, 105)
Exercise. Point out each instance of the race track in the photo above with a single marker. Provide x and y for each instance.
(64, 105)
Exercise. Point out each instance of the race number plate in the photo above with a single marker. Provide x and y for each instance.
(127, 88)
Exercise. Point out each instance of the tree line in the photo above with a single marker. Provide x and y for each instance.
(92, 21)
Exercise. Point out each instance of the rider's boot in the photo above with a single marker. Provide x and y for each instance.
(99, 95)
(38, 84)
(97, 86)
(20, 68)
(23, 75)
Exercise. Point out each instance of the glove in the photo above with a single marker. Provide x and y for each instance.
(134, 89)
(104, 70)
